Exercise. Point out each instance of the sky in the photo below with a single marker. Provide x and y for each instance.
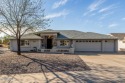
(100, 16)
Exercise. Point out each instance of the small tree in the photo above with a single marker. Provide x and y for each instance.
(6, 40)
(18, 17)
(0, 41)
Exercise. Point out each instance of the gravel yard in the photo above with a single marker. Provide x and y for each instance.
(62, 68)
(38, 62)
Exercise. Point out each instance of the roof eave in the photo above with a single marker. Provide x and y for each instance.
(26, 38)
(91, 38)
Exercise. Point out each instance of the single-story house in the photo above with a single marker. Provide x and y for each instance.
(121, 40)
(66, 41)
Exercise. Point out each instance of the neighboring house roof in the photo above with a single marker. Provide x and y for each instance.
(73, 34)
(120, 36)
(29, 36)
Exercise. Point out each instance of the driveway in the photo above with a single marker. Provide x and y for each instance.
(117, 60)
(3, 50)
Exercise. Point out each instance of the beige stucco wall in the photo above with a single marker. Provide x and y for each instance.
(111, 46)
(32, 44)
(121, 45)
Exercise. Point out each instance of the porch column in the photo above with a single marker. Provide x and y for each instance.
(54, 42)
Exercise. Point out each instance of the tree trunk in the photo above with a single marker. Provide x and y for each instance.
(18, 47)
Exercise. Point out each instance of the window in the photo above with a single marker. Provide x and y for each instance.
(99, 41)
(106, 41)
(41, 41)
(89, 41)
(64, 42)
(24, 43)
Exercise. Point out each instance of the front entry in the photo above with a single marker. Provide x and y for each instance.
(49, 43)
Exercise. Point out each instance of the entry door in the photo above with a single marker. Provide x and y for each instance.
(49, 43)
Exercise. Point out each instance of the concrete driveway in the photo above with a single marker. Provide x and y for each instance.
(3, 50)
(111, 59)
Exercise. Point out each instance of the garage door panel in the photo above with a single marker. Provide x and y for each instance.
(109, 46)
(88, 46)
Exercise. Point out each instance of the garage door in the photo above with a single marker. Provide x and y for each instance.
(109, 46)
(88, 45)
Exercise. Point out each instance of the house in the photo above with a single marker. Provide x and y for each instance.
(121, 40)
(66, 41)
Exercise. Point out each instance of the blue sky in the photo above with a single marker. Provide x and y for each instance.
(101, 16)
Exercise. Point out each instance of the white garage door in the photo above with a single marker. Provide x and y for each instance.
(88, 45)
(109, 46)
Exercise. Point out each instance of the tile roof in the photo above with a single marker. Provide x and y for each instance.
(29, 36)
(74, 34)
(69, 34)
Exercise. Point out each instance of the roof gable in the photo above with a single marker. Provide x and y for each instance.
(120, 36)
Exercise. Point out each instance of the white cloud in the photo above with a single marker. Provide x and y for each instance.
(94, 6)
(59, 14)
(123, 18)
(86, 13)
(106, 9)
(113, 25)
(105, 15)
(93, 14)
(59, 3)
